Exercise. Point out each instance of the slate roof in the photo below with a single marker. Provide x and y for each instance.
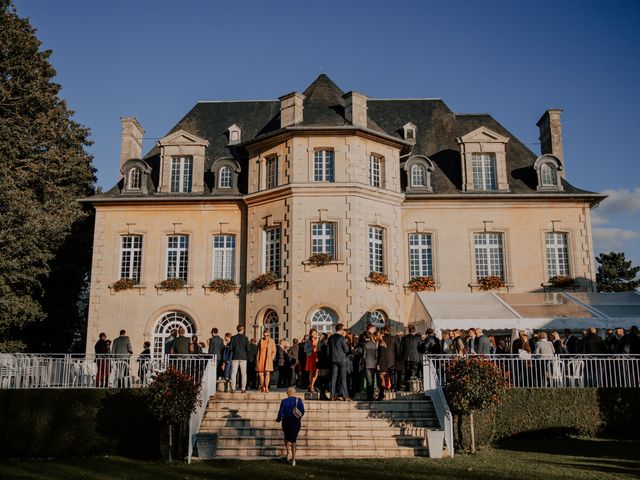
(436, 133)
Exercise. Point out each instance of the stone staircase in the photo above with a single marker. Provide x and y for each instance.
(242, 426)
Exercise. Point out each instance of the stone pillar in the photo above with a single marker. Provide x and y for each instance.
(131, 140)
(355, 109)
(291, 108)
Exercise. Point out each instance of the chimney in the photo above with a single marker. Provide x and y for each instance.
(551, 133)
(291, 109)
(355, 109)
(131, 142)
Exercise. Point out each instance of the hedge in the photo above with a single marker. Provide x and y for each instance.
(587, 412)
(63, 423)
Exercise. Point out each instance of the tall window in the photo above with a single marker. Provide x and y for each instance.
(178, 256)
(272, 323)
(272, 251)
(484, 171)
(226, 177)
(224, 256)
(375, 171)
(131, 257)
(323, 238)
(169, 322)
(418, 176)
(376, 249)
(489, 255)
(181, 173)
(324, 320)
(135, 179)
(548, 175)
(272, 172)
(420, 255)
(557, 254)
(323, 166)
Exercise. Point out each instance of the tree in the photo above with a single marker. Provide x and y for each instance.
(44, 168)
(615, 273)
(473, 383)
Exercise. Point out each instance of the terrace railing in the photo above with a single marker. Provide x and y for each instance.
(92, 371)
(559, 371)
(433, 389)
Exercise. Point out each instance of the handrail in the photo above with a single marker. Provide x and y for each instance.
(433, 389)
(207, 389)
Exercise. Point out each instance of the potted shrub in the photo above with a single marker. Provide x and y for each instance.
(222, 285)
(562, 281)
(172, 284)
(378, 278)
(490, 282)
(420, 284)
(320, 259)
(263, 281)
(123, 284)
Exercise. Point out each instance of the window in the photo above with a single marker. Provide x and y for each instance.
(375, 171)
(181, 170)
(225, 179)
(169, 322)
(548, 175)
(418, 176)
(324, 320)
(376, 249)
(420, 255)
(557, 254)
(135, 179)
(323, 238)
(484, 171)
(323, 166)
(377, 318)
(235, 136)
(272, 251)
(489, 255)
(178, 256)
(131, 257)
(272, 172)
(224, 256)
(272, 323)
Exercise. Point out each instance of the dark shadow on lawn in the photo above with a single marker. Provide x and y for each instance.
(576, 447)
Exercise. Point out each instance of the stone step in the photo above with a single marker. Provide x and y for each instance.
(321, 442)
(309, 453)
(322, 415)
(363, 431)
(279, 395)
(210, 425)
(309, 405)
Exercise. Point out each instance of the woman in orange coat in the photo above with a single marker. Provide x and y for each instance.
(311, 349)
(264, 362)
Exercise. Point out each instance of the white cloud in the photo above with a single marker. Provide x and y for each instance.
(620, 201)
(613, 239)
(597, 218)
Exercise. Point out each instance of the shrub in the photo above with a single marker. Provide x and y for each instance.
(378, 278)
(123, 284)
(420, 284)
(172, 284)
(320, 259)
(562, 281)
(490, 282)
(263, 281)
(222, 285)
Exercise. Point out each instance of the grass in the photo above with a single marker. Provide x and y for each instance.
(526, 459)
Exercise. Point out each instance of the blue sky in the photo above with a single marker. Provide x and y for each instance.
(156, 59)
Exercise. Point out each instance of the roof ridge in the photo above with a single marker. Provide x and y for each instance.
(236, 101)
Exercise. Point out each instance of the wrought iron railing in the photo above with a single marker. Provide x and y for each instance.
(433, 389)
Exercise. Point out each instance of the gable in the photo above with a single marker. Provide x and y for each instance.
(182, 137)
(483, 135)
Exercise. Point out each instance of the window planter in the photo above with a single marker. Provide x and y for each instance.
(173, 285)
(126, 284)
(222, 286)
(264, 281)
(378, 278)
(420, 284)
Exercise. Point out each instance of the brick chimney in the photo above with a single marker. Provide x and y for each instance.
(355, 109)
(291, 109)
(131, 141)
(551, 133)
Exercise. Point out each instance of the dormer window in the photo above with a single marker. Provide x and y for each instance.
(235, 134)
(135, 179)
(548, 168)
(409, 130)
(418, 170)
(225, 175)
(484, 171)
(483, 155)
(226, 178)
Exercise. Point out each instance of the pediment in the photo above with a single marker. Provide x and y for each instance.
(182, 137)
(483, 135)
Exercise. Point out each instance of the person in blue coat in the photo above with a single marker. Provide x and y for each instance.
(290, 423)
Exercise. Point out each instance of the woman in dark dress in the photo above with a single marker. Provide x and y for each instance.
(101, 350)
(290, 422)
(383, 365)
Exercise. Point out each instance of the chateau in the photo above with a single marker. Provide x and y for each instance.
(403, 188)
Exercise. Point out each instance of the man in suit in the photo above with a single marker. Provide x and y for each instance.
(593, 344)
(239, 356)
(339, 357)
(483, 345)
(569, 342)
(411, 356)
(251, 363)
(471, 341)
(168, 346)
(122, 345)
(392, 351)
(431, 344)
(216, 346)
(121, 348)
(180, 345)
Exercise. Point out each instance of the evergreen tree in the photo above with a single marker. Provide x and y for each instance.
(615, 273)
(44, 169)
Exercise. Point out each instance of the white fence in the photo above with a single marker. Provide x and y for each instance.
(92, 371)
(559, 371)
(433, 389)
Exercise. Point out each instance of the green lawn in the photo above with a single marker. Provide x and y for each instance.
(568, 458)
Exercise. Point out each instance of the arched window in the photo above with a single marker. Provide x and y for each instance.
(165, 325)
(272, 323)
(418, 176)
(225, 177)
(548, 175)
(377, 318)
(135, 179)
(547, 168)
(324, 320)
